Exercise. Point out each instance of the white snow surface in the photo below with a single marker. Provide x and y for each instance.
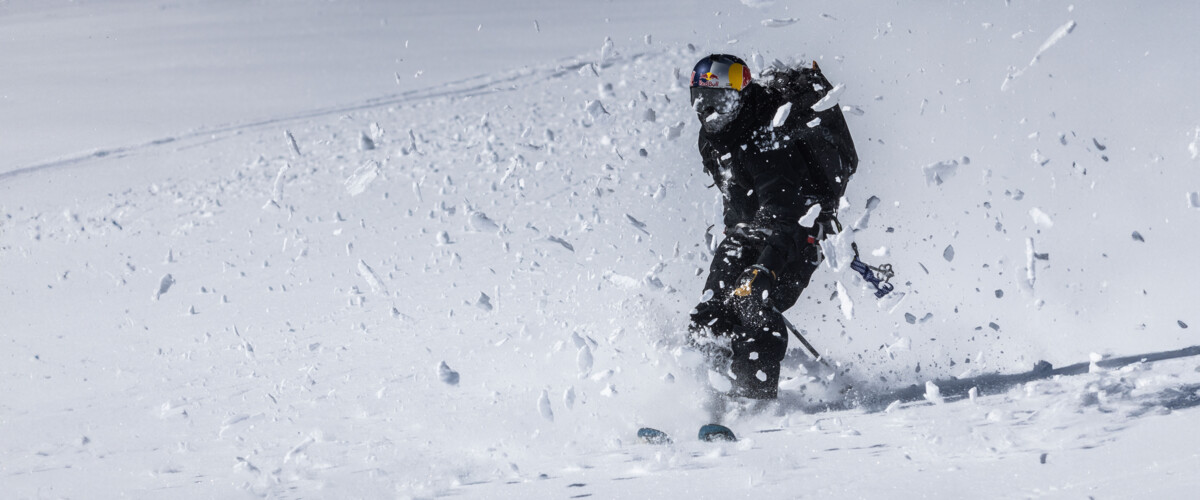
(412, 252)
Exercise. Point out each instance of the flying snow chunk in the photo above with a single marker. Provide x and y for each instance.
(781, 115)
(595, 109)
(1040, 218)
(446, 375)
(164, 285)
(641, 226)
(480, 222)
(810, 218)
(277, 187)
(1030, 269)
(543, 406)
(371, 278)
(584, 361)
(933, 393)
(830, 99)
(569, 397)
(847, 305)
(948, 253)
(937, 173)
(672, 132)
(1039, 158)
(362, 177)
(565, 244)
(291, 142)
(1055, 37)
(607, 50)
(779, 23)
(839, 250)
(484, 302)
(1193, 199)
(622, 280)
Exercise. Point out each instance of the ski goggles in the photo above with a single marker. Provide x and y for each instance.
(708, 100)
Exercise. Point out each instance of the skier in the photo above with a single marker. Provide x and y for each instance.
(776, 151)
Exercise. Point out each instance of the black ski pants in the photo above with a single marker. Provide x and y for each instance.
(755, 329)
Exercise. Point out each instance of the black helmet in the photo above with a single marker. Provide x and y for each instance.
(717, 82)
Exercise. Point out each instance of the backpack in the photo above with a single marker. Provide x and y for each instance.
(828, 145)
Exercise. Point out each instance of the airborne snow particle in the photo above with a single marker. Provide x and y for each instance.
(372, 279)
(595, 109)
(1040, 218)
(948, 253)
(569, 398)
(607, 50)
(846, 305)
(637, 223)
(781, 115)
(1181, 324)
(933, 393)
(277, 187)
(937, 173)
(480, 222)
(446, 375)
(484, 302)
(672, 132)
(810, 218)
(543, 405)
(362, 177)
(829, 100)
(164, 285)
(1138, 237)
(779, 23)
(560, 241)
(584, 361)
(1054, 38)
(291, 141)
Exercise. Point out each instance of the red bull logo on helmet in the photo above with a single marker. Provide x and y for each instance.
(707, 79)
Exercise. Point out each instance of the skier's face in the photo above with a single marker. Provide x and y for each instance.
(716, 107)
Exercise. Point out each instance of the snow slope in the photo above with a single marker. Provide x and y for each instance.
(476, 285)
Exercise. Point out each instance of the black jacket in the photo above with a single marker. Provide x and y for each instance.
(770, 177)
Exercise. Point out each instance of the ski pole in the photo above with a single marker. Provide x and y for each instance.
(792, 328)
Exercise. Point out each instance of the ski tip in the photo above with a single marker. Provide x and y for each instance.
(653, 436)
(716, 432)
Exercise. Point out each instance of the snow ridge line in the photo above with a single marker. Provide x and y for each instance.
(955, 389)
(469, 87)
